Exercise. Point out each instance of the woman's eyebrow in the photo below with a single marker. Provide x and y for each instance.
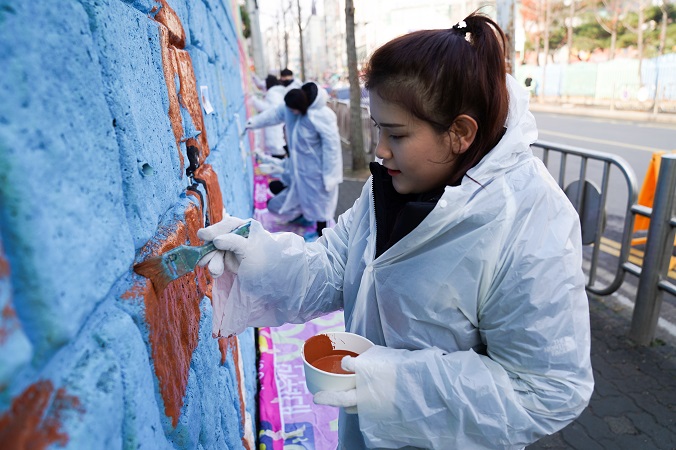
(388, 125)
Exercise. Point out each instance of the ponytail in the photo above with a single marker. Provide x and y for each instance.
(438, 75)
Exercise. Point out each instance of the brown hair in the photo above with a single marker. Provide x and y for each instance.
(438, 75)
(301, 99)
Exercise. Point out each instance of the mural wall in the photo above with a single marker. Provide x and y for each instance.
(119, 139)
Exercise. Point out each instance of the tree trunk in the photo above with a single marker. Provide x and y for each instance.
(613, 36)
(569, 37)
(286, 49)
(302, 52)
(663, 27)
(356, 134)
(639, 39)
(548, 14)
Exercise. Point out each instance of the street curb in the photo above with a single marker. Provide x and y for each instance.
(579, 110)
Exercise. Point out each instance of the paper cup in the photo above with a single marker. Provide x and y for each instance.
(321, 359)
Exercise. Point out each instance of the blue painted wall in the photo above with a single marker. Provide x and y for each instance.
(90, 172)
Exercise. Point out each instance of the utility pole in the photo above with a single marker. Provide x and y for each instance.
(256, 38)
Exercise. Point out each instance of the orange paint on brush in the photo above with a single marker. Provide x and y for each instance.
(34, 419)
(206, 172)
(168, 17)
(189, 97)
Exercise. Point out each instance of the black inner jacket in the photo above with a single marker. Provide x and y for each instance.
(397, 214)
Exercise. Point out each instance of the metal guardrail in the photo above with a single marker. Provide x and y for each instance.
(589, 192)
(342, 110)
(653, 279)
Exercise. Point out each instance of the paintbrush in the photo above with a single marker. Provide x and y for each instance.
(165, 268)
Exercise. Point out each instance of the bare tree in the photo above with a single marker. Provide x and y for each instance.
(530, 16)
(611, 22)
(664, 7)
(570, 24)
(356, 133)
(286, 11)
(639, 34)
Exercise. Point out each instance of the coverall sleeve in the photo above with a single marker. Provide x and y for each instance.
(282, 279)
(271, 116)
(260, 104)
(332, 153)
(259, 83)
(534, 379)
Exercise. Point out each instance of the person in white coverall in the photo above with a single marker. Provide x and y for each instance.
(274, 135)
(287, 80)
(461, 260)
(314, 168)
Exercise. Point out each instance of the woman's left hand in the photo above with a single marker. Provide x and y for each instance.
(340, 399)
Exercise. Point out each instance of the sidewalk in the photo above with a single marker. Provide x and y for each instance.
(634, 400)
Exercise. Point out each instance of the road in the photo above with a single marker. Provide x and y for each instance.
(635, 142)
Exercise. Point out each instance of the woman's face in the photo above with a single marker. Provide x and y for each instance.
(415, 155)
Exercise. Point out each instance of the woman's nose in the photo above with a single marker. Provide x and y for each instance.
(382, 151)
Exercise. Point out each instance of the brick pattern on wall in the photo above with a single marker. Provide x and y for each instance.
(104, 121)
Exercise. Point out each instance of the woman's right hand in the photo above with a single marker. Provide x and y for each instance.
(231, 247)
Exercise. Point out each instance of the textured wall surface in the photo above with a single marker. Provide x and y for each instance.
(108, 156)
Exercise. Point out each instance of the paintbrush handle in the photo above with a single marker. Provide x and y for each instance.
(206, 248)
(242, 230)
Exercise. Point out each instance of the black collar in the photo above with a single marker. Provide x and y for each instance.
(397, 214)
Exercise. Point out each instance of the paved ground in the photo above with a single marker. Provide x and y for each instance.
(634, 401)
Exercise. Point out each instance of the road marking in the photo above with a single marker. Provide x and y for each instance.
(635, 256)
(601, 141)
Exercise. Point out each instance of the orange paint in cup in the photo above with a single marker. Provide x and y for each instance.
(322, 355)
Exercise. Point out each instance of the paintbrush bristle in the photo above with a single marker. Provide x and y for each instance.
(153, 269)
(175, 263)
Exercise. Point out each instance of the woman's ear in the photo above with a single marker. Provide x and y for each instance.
(464, 129)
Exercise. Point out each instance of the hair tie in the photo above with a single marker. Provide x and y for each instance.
(461, 29)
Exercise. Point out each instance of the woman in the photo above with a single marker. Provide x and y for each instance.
(461, 261)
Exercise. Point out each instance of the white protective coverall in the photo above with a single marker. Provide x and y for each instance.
(274, 135)
(479, 315)
(314, 168)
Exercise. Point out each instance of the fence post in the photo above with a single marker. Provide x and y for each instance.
(655, 261)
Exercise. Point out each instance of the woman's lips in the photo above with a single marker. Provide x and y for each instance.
(392, 173)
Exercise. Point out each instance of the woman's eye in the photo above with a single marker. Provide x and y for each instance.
(395, 137)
